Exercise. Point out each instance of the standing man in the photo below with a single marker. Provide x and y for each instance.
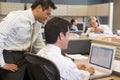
(56, 35)
(18, 31)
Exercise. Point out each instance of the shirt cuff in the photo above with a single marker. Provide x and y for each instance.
(85, 75)
(2, 62)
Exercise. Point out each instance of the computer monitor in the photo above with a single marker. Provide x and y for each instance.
(81, 26)
(101, 55)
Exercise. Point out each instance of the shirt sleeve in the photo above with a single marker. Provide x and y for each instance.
(88, 30)
(85, 75)
(71, 72)
(106, 30)
(2, 62)
(5, 27)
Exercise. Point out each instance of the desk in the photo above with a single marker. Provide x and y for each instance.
(112, 77)
(79, 44)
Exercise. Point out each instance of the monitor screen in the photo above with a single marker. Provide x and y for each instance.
(80, 26)
(101, 56)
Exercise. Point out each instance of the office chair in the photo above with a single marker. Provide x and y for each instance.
(40, 68)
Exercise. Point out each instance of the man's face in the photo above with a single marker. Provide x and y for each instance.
(75, 23)
(93, 23)
(42, 15)
(66, 40)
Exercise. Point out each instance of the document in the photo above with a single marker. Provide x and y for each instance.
(77, 57)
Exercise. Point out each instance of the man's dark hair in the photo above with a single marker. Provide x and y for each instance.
(54, 27)
(72, 20)
(44, 3)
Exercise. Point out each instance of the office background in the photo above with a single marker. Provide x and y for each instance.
(116, 17)
(84, 2)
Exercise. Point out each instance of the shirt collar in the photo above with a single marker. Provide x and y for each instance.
(31, 16)
(54, 47)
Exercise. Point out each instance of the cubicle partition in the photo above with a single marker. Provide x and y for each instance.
(6, 7)
(79, 46)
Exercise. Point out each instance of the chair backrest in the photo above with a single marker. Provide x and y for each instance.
(40, 68)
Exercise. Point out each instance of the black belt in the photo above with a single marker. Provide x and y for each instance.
(13, 51)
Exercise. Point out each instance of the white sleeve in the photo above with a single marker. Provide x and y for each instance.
(106, 30)
(2, 62)
(88, 30)
(5, 27)
(85, 75)
(73, 73)
(2, 39)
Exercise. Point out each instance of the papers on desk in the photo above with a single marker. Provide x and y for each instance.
(73, 36)
(77, 57)
(116, 66)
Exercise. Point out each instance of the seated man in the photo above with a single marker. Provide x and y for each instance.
(56, 35)
(74, 25)
(96, 28)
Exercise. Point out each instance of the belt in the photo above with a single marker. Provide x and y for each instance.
(13, 51)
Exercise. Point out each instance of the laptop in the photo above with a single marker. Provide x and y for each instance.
(101, 59)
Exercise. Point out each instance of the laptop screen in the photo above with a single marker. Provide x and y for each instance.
(101, 56)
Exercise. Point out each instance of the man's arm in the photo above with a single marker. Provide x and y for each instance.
(99, 29)
(5, 29)
(106, 29)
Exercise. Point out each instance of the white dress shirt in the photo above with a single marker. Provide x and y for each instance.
(106, 30)
(68, 70)
(16, 31)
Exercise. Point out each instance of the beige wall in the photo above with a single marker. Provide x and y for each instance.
(116, 15)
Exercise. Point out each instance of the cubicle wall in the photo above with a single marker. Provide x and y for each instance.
(6, 7)
(62, 10)
(78, 46)
(116, 15)
(28, 5)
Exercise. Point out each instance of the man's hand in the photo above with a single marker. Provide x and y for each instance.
(92, 29)
(10, 67)
(96, 28)
(81, 66)
(90, 70)
(99, 29)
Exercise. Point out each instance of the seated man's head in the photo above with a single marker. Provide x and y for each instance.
(93, 21)
(74, 22)
(57, 32)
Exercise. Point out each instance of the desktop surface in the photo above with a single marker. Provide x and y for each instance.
(112, 77)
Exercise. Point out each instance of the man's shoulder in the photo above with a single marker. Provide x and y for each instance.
(104, 25)
(16, 14)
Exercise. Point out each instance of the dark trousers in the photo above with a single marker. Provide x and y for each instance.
(14, 57)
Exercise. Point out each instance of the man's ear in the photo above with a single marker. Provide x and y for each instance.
(61, 36)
